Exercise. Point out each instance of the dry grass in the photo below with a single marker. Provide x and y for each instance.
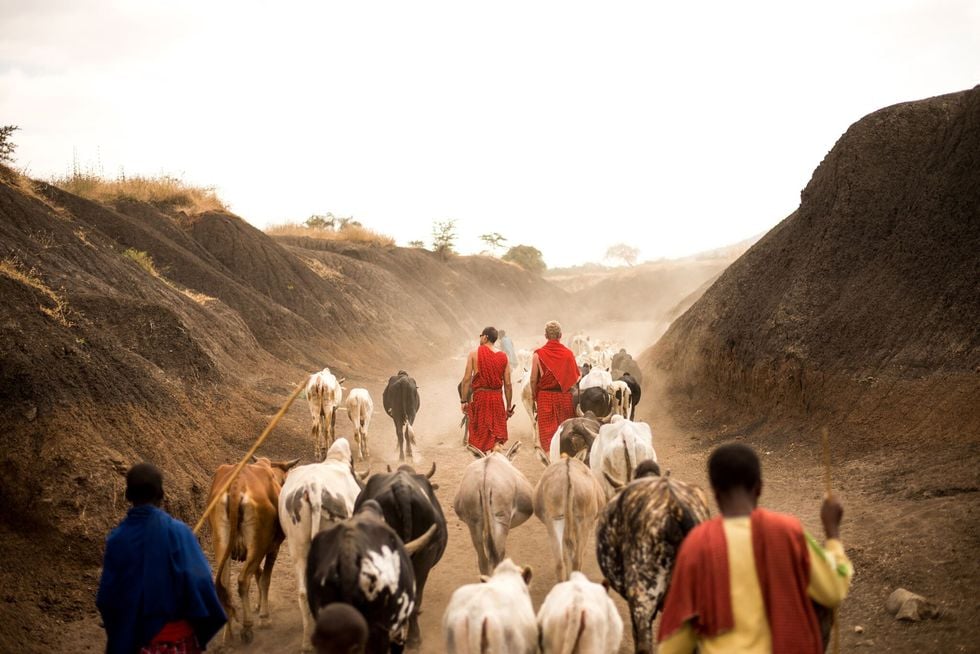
(142, 259)
(165, 192)
(201, 298)
(355, 233)
(12, 270)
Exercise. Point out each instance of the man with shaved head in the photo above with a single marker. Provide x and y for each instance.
(554, 372)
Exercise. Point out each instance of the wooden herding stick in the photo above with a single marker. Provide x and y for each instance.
(241, 464)
(827, 488)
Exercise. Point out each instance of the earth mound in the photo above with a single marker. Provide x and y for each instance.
(859, 310)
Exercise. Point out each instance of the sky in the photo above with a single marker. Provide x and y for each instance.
(570, 126)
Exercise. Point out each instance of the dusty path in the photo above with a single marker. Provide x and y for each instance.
(792, 483)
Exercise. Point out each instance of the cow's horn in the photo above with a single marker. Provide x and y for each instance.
(364, 475)
(432, 471)
(612, 482)
(388, 465)
(414, 546)
(341, 380)
(478, 453)
(542, 457)
(255, 459)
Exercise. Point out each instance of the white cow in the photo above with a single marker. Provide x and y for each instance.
(579, 617)
(493, 617)
(359, 410)
(597, 378)
(524, 359)
(323, 395)
(313, 496)
(622, 398)
(580, 344)
(619, 448)
(528, 401)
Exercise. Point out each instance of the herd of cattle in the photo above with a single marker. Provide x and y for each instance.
(371, 542)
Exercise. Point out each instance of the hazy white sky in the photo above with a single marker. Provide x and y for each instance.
(569, 126)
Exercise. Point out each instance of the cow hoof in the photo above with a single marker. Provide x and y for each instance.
(247, 635)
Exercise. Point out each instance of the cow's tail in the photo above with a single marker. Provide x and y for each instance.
(629, 460)
(409, 432)
(489, 545)
(232, 511)
(403, 500)
(574, 628)
(315, 510)
(484, 646)
(568, 535)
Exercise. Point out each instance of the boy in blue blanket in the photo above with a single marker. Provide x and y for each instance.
(156, 595)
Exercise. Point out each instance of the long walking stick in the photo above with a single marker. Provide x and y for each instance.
(241, 464)
(835, 630)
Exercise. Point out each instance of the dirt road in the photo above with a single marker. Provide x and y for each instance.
(793, 483)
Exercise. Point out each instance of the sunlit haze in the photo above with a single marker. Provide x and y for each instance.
(674, 127)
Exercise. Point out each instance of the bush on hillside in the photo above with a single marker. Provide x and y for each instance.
(351, 231)
(165, 192)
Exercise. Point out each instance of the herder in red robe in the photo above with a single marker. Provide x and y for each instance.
(487, 371)
(747, 581)
(553, 373)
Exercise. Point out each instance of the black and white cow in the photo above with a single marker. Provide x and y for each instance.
(637, 539)
(361, 561)
(401, 402)
(410, 507)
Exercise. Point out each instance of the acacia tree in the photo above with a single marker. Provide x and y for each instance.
(7, 146)
(627, 253)
(321, 222)
(416, 244)
(443, 237)
(493, 240)
(527, 257)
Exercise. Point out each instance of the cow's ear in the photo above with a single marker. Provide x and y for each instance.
(512, 452)
(581, 454)
(435, 487)
(484, 579)
(476, 452)
(526, 572)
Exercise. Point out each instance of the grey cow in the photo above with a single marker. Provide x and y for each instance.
(493, 498)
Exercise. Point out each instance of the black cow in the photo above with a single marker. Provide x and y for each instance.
(409, 503)
(596, 400)
(361, 561)
(634, 391)
(401, 402)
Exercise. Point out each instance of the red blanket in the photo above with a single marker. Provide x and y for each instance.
(487, 414)
(700, 591)
(554, 408)
(560, 361)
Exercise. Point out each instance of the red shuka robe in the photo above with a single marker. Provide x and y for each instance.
(559, 372)
(700, 591)
(487, 414)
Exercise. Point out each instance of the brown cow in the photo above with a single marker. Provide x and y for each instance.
(245, 526)
(568, 499)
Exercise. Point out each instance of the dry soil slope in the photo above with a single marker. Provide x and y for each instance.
(103, 364)
(860, 308)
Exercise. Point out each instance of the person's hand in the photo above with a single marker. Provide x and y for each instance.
(831, 513)
(464, 406)
(510, 412)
